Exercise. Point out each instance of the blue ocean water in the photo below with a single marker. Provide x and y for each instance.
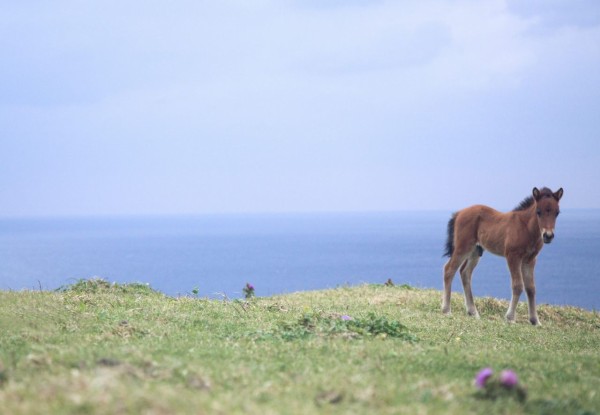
(281, 253)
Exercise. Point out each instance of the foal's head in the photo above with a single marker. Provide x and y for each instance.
(546, 209)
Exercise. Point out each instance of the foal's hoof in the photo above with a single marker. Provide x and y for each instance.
(473, 314)
(535, 322)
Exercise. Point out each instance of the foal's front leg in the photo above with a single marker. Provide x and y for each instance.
(514, 265)
(528, 278)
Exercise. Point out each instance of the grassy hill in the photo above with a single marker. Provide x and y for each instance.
(99, 348)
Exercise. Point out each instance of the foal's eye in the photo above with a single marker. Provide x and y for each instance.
(557, 213)
(539, 212)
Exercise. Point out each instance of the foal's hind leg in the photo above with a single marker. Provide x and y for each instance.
(466, 271)
(455, 261)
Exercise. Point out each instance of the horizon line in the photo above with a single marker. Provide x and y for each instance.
(238, 213)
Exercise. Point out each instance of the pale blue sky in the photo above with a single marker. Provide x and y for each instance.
(185, 107)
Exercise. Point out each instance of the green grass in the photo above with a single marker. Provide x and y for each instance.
(99, 348)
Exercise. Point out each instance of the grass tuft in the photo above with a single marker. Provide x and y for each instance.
(96, 285)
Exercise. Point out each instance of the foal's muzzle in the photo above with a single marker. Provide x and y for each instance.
(548, 237)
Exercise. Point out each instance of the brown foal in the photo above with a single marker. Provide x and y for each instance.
(518, 236)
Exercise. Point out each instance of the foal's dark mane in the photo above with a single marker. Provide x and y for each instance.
(528, 201)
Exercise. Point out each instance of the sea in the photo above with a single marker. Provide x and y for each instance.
(214, 256)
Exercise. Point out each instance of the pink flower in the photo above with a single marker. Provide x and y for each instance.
(346, 318)
(508, 378)
(482, 377)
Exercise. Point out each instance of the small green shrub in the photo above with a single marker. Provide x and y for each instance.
(374, 325)
(320, 324)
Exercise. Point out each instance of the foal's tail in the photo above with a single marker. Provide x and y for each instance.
(450, 238)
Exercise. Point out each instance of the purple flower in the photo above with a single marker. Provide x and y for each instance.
(346, 318)
(508, 378)
(482, 377)
(249, 290)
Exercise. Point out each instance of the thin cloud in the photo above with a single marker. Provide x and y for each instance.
(267, 105)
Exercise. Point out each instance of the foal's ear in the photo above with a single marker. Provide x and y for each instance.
(558, 194)
(536, 194)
